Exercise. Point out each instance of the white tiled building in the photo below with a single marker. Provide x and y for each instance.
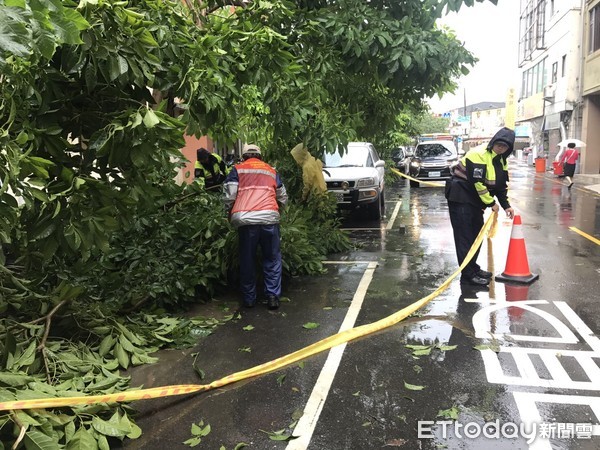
(559, 60)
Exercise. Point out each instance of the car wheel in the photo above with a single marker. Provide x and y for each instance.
(374, 210)
(414, 183)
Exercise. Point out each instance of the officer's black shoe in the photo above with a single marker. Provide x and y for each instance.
(484, 274)
(249, 305)
(475, 281)
(272, 302)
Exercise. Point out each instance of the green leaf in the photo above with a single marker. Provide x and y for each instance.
(406, 61)
(14, 379)
(451, 413)
(34, 440)
(103, 443)
(150, 119)
(281, 379)
(493, 347)
(107, 343)
(67, 24)
(413, 387)
(27, 357)
(121, 355)
(200, 429)
(446, 348)
(109, 429)
(248, 328)
(310, 325)
(280, 435)
(82, 440)
(193, 441)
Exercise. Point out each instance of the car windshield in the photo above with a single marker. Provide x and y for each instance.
(432, 150)
(353, 157)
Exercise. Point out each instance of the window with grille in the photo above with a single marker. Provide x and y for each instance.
(594, 28)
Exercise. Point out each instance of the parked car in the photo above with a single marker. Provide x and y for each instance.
(432, 161)
(356, 176)
(400, 157)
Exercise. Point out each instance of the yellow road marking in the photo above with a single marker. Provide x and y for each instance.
(585, 235)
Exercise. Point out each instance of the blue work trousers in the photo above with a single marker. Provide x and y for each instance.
(467, 221)
(268, 237)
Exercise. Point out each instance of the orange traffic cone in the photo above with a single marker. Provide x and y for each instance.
(517, 267)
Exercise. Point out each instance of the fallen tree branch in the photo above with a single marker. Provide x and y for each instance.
(48, 318)
(23, 429)
(134, 307)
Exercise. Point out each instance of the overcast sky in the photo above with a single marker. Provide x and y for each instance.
(491, 33)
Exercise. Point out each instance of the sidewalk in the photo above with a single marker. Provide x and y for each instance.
(588, 182)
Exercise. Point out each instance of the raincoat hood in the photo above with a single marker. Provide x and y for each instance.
(505, 135)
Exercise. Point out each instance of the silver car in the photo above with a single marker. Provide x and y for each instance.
(356, 176)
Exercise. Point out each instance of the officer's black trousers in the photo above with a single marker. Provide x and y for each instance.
(467, 221)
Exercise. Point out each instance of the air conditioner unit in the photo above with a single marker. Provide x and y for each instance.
(549, 92)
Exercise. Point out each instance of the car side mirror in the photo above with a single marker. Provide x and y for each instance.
(380, 163)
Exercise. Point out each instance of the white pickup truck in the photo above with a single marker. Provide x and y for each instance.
(356, 176)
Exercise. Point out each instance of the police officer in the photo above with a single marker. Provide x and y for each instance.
(253, 192)
(477, 178)
(211, 167)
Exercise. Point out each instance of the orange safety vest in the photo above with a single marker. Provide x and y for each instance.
(257, 187)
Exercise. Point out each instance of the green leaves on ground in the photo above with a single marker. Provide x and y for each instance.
(495, 347)
(198, 432)
(413, 387)
(450, 413)
(424, 350)
(310, 325)
(279, 435)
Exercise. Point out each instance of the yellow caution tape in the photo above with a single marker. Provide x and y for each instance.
(408, 177)
(271, 366)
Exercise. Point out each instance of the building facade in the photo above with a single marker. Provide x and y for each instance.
(559, 60)
(590, 95)
(550, 63)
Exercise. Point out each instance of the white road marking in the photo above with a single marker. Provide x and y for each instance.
(306, 425)
(530, 414)
(390, 224)
(481, 323)
(552, 359)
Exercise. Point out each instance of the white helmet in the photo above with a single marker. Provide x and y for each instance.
(250, 148)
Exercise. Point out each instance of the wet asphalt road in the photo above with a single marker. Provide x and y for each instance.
(538, 350)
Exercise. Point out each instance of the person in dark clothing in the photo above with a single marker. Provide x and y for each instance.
(477, 178)
(211, 167)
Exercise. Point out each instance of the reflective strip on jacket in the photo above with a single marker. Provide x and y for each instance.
(252, 192)
(487, 172)
(218, 167)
